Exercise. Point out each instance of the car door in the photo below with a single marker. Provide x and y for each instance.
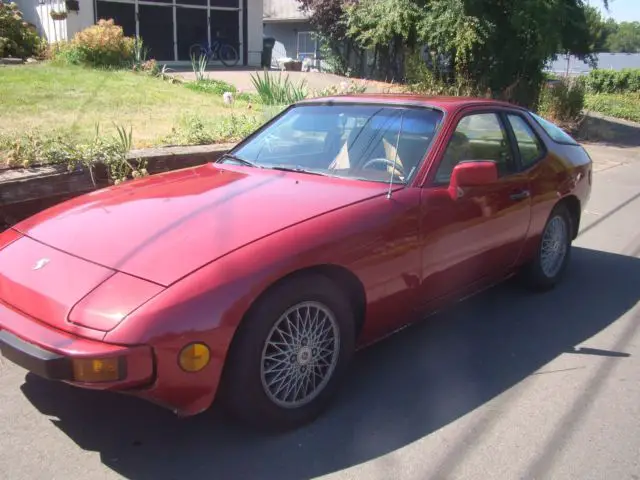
(477, 234)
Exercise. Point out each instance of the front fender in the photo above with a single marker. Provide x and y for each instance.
(208, 306)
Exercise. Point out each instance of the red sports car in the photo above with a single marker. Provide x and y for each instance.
(255, 278)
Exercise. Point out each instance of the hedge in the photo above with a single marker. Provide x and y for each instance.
(611, 81)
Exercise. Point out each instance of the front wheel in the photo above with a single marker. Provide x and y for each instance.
(290, 354)
(196, 51)
(229, 56)
(554, 252)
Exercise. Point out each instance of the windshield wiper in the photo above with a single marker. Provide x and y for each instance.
(242, 161)
(299, 170)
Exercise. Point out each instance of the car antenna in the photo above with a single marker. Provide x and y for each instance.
(395, 157)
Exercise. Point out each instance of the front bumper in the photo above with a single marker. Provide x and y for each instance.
(44, 363)
(49, 353)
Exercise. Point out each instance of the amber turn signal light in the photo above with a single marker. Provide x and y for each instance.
(96, 369)
(194, 357)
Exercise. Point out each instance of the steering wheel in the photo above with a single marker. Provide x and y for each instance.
(397, 168)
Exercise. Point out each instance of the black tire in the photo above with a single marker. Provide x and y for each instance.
(533, 273)
(228, 55)
(196, 51)
(242, 390)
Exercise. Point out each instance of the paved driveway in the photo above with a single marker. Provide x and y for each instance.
(506, 385)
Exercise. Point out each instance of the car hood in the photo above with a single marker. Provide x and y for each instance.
(163, 227)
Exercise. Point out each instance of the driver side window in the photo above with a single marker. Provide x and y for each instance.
(479, 136)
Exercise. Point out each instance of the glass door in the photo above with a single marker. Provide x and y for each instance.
(123, 14)
(169, 28)
(155, 26)
(191, 26)
(225, 26)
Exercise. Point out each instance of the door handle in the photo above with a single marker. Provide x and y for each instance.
(521, 195)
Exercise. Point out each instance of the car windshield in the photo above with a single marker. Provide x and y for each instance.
(364, 142)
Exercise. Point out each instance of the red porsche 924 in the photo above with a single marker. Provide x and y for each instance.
(255, 278)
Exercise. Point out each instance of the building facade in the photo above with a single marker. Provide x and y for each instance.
(168, 27)
(283, 20)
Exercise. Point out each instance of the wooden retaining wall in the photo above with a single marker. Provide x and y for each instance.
(24, 192)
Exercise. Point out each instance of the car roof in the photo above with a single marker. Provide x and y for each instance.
(448, 104)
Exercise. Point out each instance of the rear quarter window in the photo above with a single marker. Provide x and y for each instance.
(555, 132)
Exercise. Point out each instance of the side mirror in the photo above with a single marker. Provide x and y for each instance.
(472, 174)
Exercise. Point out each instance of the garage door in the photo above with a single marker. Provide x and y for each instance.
(170, 27)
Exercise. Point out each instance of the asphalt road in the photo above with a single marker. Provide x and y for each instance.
(505, 385)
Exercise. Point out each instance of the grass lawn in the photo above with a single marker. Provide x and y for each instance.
(46, 98)
(626, 106)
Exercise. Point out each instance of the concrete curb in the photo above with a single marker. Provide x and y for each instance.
(606, 130)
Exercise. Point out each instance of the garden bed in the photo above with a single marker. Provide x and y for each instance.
(24, 192)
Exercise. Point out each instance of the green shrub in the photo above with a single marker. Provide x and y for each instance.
(64, 53)
(626, 106)
(216, 87)
(195, 130)
(422, 80)
(199, 66)
(219, 87)
(101, 45)
(17, 37)
(562, 101)
(249, 97)
(278, 90)
(431, 85)
(343, 88)
(140, 53)
(611, 81)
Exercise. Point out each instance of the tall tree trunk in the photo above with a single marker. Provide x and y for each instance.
(362, 69)
(399, 60)
(374, 67)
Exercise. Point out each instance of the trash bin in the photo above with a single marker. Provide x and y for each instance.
(267, 51)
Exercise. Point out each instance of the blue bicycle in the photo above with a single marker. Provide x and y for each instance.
(218, 50)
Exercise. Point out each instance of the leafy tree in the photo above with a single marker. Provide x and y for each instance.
(497, 46)
(598, 29)
(624, 37)
(388, 28)
(326, 17)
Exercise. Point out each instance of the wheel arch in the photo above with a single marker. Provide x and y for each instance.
(346, 279)
(572, 203)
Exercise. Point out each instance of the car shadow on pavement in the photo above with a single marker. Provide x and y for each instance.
(399, 390)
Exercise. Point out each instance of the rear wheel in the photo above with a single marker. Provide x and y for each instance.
(554, 252)
(290, 354)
